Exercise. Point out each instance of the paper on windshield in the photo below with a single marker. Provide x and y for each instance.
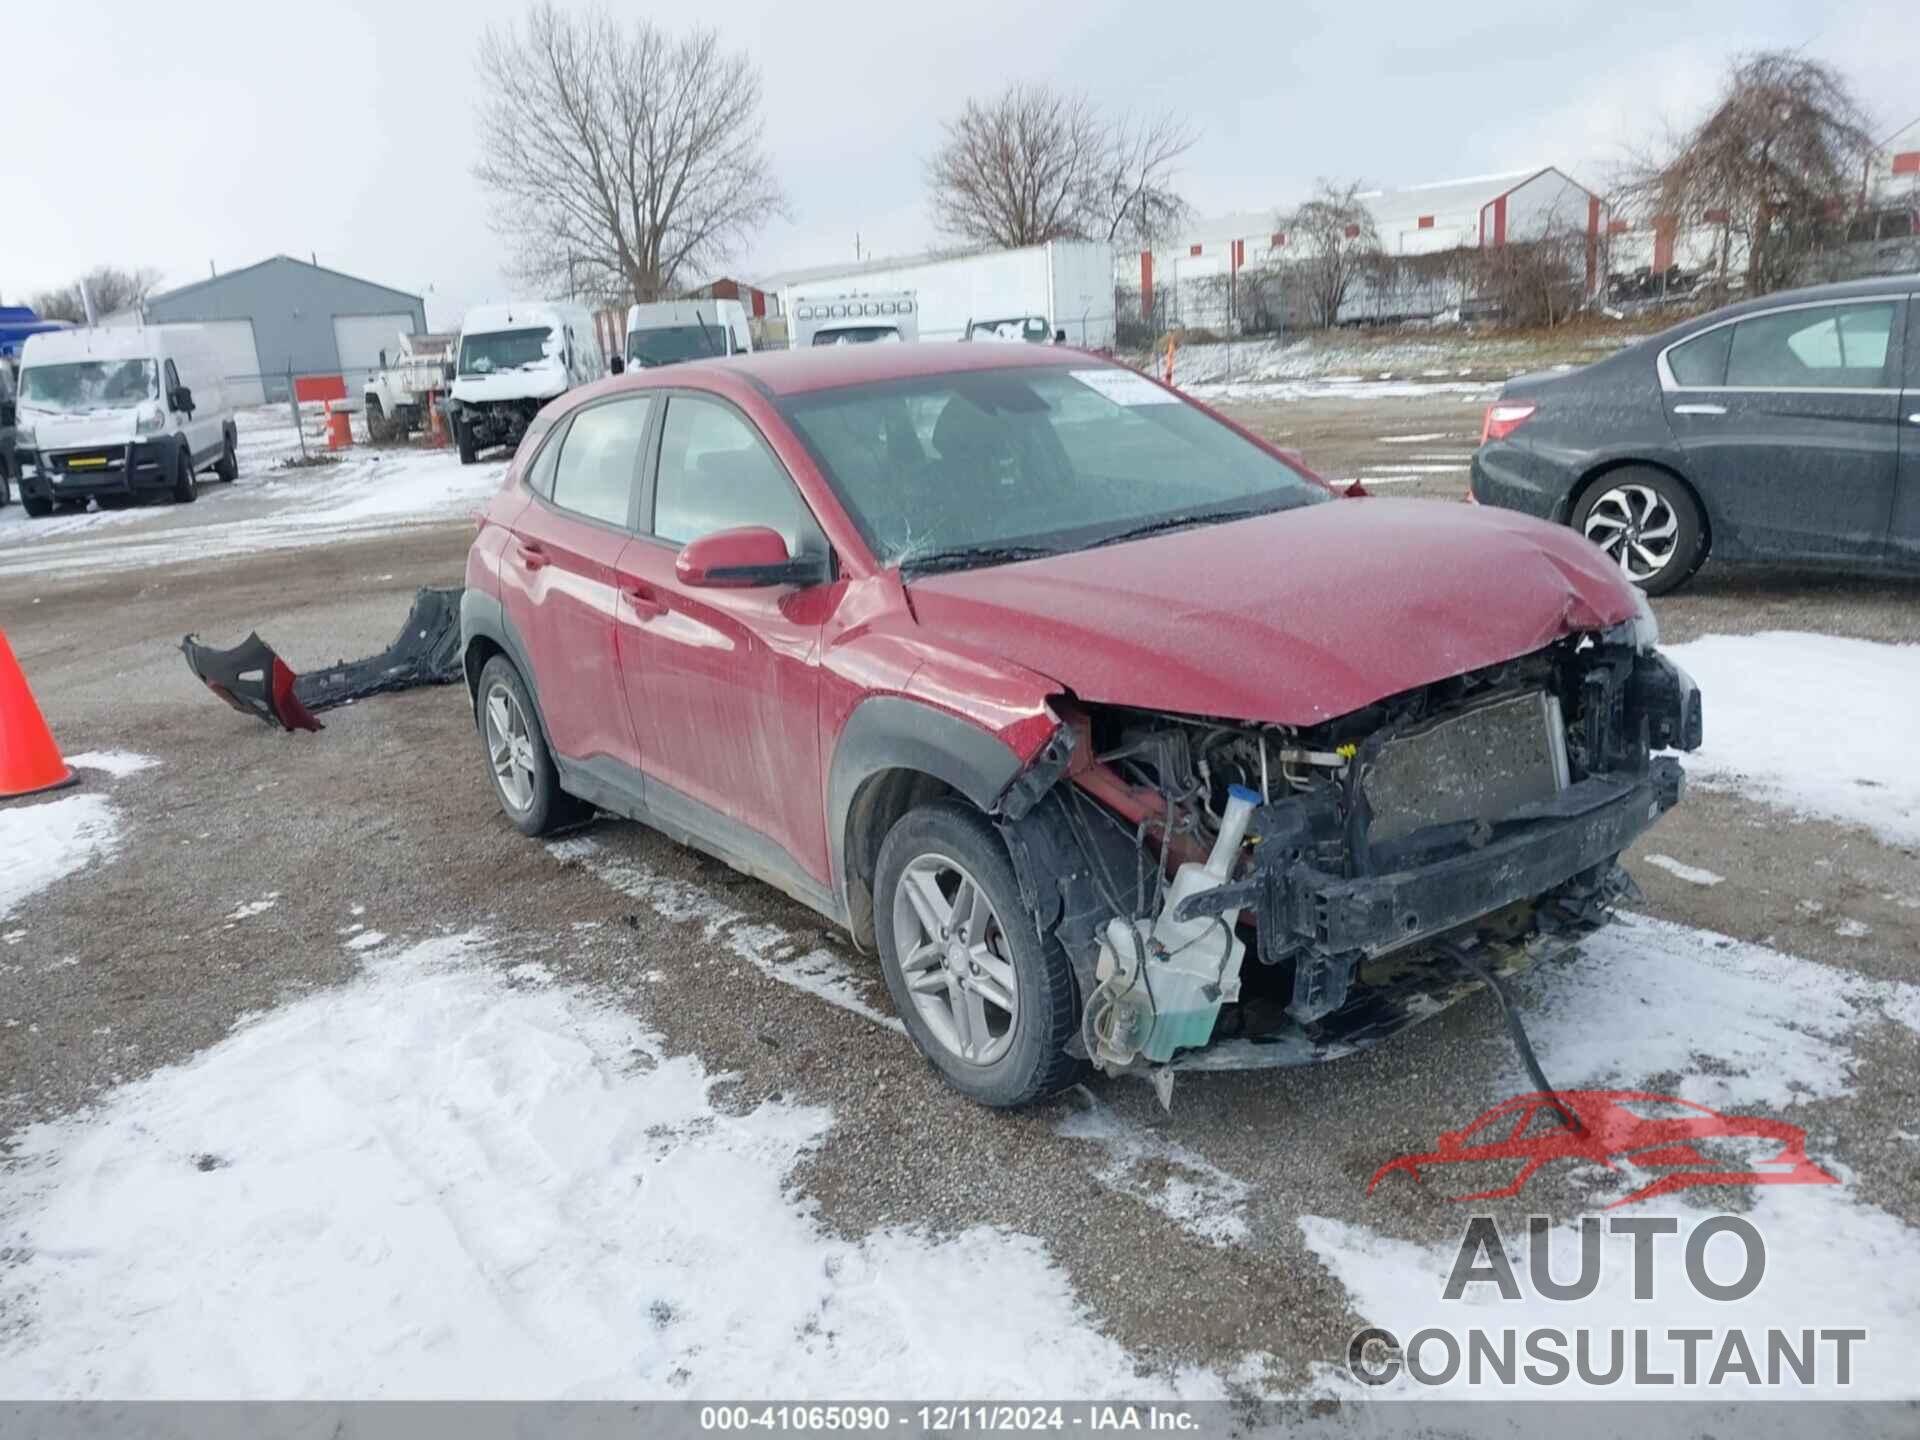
(1124, 387)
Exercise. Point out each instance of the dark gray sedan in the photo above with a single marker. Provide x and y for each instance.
(1779, 429)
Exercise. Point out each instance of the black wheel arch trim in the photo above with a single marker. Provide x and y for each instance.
(483, 617)
(892, 732)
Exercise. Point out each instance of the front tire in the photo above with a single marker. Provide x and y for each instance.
(37, 507)
(184, 490)
(989, 1000)
(524, 778)
(1648, 524)
(463, 436)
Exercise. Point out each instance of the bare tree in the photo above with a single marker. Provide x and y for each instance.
(622, 159)
(110, 288)
(1333, 241)
(1781, 151)
(1141, 204)
(1037, 164)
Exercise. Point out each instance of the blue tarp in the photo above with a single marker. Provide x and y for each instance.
(17, 322)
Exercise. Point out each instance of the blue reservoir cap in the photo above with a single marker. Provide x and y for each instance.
(1241, 792)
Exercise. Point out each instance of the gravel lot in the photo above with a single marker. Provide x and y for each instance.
(1185, 1235)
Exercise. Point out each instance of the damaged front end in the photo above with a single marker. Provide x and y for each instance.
(1237, 895)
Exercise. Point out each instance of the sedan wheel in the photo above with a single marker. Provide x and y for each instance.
(955, 959)
(510, 748)
(1648, 525)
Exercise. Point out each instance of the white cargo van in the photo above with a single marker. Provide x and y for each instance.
(666, 332)
(511, 360)
(118, 411)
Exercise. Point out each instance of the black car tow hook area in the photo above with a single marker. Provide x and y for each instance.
(1472, 963)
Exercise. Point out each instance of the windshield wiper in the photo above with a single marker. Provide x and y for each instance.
(966, 557)
(1181, 522)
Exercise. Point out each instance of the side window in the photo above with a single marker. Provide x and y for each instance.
(717, 473)
(599, 459)
(539, 477)
(1831, 347)
(173, 379)
(1703, 359)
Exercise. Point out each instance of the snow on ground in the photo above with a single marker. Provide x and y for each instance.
(1692, 874)
(117, 763)
(435, 1181)
(44, 841)
(271, 506)
(819, 971)
(1187, 1188)
(1744, 1028)
(1333, 387)
(1818, 724)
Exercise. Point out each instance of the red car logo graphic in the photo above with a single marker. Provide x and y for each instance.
(1616, 1125)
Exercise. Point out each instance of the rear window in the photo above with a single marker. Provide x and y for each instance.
(1703, 359)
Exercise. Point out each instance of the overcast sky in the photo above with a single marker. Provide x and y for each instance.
(217, 132)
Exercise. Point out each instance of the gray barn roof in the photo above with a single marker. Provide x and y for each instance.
(167, 297)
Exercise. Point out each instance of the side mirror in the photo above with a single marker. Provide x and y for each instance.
(1060, 337)
(446, 371)
(181, 400)
(745, 558)
(617, 365)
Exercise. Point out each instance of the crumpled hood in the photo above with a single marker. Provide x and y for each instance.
(1293, 618)
(540, 383)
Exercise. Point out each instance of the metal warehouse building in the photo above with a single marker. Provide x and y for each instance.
(286, 316)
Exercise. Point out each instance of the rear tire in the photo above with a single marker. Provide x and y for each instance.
(463, 436)
(952, 844)
(378, 430)
(228, 468)
(6, 482)
(525, 781)
(184, 490)
(1647, 523)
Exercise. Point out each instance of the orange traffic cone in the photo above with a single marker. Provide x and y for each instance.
(29, 760)
(339, 428)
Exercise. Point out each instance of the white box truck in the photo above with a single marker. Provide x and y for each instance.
(1067, 284)
(125, 411)
(858, 317)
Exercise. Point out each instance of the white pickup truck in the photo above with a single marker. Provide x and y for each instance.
(397, 394)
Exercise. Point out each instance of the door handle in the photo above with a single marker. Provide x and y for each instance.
(1699, 409)
(533, 556)
(642, 597)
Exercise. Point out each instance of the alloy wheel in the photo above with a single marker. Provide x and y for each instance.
(1637, 527)
(510, 747)
(955, 959)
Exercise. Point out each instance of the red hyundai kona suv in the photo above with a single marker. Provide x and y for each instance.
(1122, 739)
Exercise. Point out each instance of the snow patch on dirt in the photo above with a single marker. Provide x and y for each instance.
(1188, 1189)
(819, 971)
(1692, 874)
(433, 1181)
(45, 842)
(1739, 1024)
(1818, 724)
(117, 763)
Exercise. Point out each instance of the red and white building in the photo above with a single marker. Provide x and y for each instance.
(1196, 275)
